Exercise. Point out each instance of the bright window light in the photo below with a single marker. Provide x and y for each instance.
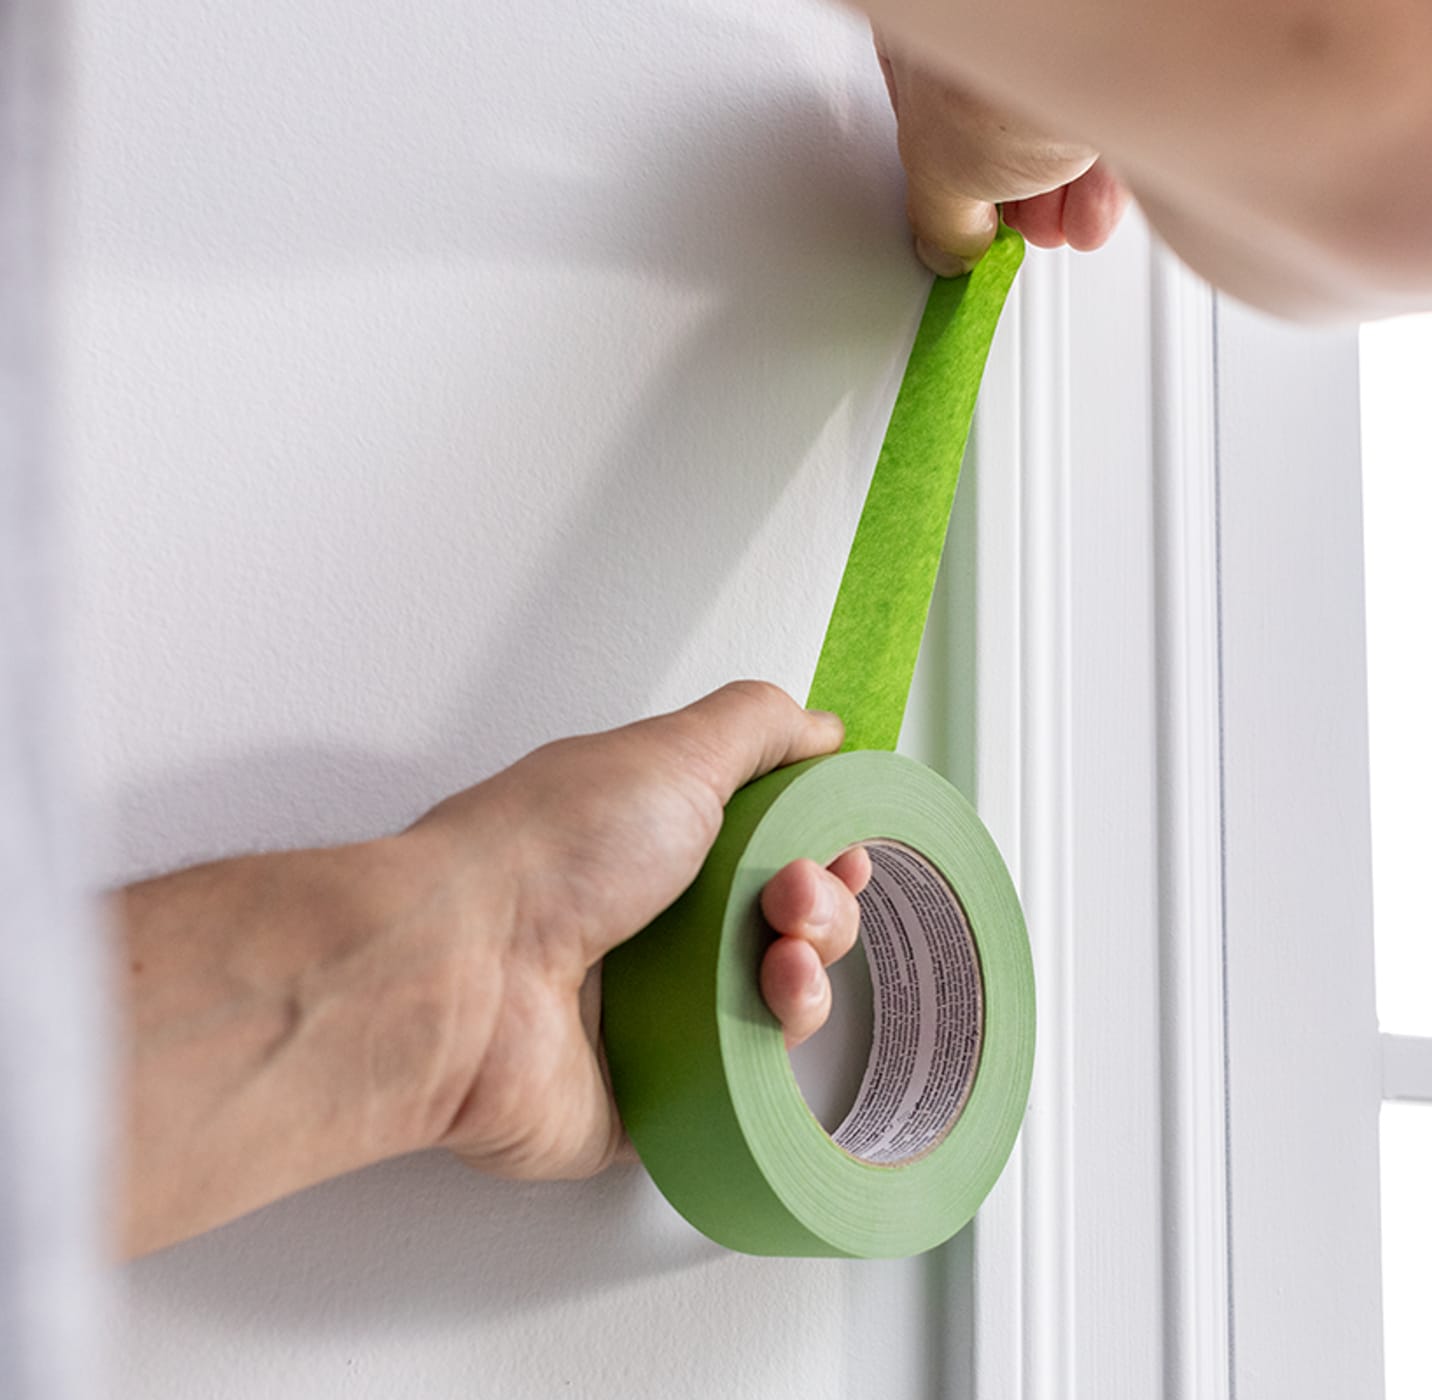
(1397, 523)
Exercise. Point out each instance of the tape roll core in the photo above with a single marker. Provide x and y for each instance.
(928, 997)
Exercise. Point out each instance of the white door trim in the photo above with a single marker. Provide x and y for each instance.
(1044, 854)
(1154, 628)
(1190, 826)
(1087, 565)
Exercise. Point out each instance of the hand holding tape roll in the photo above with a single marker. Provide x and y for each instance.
(698, 1064)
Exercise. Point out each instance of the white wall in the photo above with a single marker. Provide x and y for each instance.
(441, 378)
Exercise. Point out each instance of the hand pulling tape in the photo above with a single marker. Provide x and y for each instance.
(698, 1063)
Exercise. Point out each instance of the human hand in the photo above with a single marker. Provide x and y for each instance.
(966, 160)
(584, 842)
(295, 1015)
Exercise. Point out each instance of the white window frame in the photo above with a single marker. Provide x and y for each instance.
(1150, 647)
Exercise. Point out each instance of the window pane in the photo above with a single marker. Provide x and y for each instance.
(1407, 1248)
(1397, 523)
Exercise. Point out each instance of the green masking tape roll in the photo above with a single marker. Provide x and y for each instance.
(698, 1063)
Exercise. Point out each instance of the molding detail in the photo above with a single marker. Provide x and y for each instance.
(1022, 1275)
(1045, 854)
(1190, 834)
(1082, 679)
(990, 607)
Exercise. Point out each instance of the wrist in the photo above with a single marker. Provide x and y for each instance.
(287, 1015)
(422, 986)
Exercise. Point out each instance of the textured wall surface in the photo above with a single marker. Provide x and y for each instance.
(440, 379)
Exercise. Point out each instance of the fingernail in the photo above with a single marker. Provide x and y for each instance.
(818, 985)
(941, 263)
(829, 716)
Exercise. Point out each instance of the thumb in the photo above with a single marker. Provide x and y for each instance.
(747, 728)
(963, 157)
(952, 231)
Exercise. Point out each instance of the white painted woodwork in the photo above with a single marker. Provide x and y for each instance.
(1089, 646)
(1190, 822)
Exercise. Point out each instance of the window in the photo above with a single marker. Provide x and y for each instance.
(1406, 1247)
(1397, 505)
(1397, 512)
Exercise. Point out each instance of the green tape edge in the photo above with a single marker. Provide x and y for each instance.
(868, 658)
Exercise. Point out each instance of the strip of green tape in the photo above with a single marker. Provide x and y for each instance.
(868, 658)
(698, 1063)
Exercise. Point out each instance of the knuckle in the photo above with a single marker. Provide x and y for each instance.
(716, 738)
(697, 752)
(765, 694)
(849, 935)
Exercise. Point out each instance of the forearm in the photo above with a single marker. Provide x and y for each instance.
(1283, 148)
(289, 1020)
(296, 1016)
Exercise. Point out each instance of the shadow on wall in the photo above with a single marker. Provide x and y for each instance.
(272, 801)
(708, 449)
(798, 291)
(716, 436)
(421, 1241)
(775, 206)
